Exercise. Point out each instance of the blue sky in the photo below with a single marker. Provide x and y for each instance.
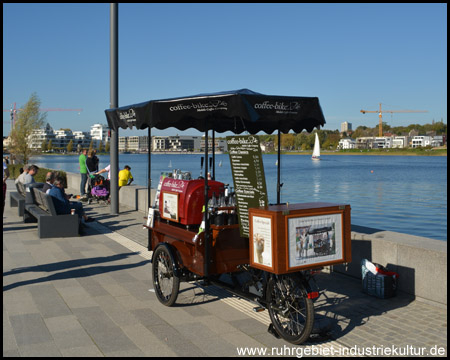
(351, 56)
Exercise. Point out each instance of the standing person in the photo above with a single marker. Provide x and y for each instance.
(96, 160)
(125, 177)
(91, 162)
(83, 172)
(5, 176)
(91, 165)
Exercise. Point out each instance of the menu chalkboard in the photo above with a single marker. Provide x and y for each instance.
(248, 176)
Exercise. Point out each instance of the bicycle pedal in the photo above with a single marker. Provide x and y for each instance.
(258, 309)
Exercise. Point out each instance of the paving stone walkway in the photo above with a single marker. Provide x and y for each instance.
(92, 296)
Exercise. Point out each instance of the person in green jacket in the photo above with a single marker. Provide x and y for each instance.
(83, 172)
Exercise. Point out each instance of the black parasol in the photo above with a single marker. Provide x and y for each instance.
(236, 111)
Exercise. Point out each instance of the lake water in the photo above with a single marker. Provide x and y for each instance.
(406, 194)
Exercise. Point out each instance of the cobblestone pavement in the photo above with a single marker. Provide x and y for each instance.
(92, 296)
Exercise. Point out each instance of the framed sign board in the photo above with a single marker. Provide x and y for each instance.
(285, 239)
(261, 243)
(314, 239)
(170, 206)
(248, 176)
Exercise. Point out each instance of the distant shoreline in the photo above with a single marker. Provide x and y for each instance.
(384, 153)
(381, 152)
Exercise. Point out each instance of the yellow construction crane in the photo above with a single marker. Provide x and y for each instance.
(380, 128)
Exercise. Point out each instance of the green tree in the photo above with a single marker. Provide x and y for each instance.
(70, 146)
(28, 119)
(107, 146)
(287, 141)
(50, 145)
(44, 145)
(100, 146)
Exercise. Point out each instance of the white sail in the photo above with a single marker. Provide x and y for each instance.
(316, 151)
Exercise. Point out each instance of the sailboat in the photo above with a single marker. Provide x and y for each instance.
(316, 151)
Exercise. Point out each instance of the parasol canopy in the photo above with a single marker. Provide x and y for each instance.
(236, 111)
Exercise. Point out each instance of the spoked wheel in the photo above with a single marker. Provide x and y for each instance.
(165, 282)
(291, 312)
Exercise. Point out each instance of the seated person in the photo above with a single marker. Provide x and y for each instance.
(62, 205)
(49, 179)
(125, 177)
(28, 178)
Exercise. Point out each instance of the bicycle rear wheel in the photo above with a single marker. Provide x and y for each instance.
(290, 309)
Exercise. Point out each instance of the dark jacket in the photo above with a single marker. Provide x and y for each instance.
(61, 204)
(92, 164)
(47, 186)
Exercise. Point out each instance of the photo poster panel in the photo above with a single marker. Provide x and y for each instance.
(262, 240)
(248, 176)
(170, 206)
(158, 190)
(315, 239)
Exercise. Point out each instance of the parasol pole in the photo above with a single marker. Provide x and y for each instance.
(213, 170)
(149, 184)
(278, 169)
(206, 258)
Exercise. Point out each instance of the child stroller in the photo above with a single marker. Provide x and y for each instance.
(99, 191)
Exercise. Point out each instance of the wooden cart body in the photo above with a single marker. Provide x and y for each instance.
(228, 248)
(229, 251)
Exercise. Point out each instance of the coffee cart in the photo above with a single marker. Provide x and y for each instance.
(202, 230)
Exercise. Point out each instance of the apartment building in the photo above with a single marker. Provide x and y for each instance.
(400, 142)
(99, 132)
(219, 145)
(347, 144)
(421, 141)
(383, 142)
(346, 127)
(61, 138)
(176, 143)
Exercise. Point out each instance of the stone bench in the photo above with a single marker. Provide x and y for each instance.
(50, 224)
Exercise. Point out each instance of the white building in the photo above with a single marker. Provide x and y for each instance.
(367, 142)
(159, 143)
(384, 142)
(345, 144)
(182, 143)
(421, 141)
(438, 141)
(220, 145)
(38, 136)
(176, 143)
(62, 138)
(81, 138)
(400, 142)
(137, 143)
(99, 132)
